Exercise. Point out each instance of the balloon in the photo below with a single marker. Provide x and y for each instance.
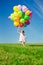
(21, 25)
(21, 16)
(12, 18)
(16, 23)
(25, 25)
(22, 20)
(24, 8)
(12, 14)
(27, 12)
(26, 17)
(16, 18)
(30, 14)
(19, 7)
(8, 17)
(15, 8)
(20, 13)
(15, 14)
(27, 22)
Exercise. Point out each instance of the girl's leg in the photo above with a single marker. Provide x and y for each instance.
(24, 43)
(21, 42)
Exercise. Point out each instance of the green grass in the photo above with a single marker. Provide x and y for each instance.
(16, 54)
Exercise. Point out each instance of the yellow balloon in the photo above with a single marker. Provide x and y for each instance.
(27, 12)
(15, 14)
(15, 8)
(16, 23)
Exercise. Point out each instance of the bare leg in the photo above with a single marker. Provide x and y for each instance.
(24, 43)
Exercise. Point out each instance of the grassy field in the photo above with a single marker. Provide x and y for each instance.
(16, 54)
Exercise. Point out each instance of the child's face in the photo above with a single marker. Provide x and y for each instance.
(21, 31)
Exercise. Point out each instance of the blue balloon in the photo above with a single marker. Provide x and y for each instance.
(25, 25)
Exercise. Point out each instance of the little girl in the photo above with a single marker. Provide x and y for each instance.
(22, 37)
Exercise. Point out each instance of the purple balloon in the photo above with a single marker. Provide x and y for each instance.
(9, 17)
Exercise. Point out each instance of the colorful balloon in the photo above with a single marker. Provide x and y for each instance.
(15, 14)
(12, 16)
(21, 25)
(26, 17)
(22, 20)
(16, 18)
(25, 25)
(27, 12)
(9, 17)
(27, 22)
(20, 13)
(30, 15)
(15, 8)
(16, 23)
(19, 7)
(21, 16)
(24, 8)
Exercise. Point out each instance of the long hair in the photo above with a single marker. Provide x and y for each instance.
(23, 32)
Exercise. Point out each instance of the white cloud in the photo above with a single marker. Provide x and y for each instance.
(40, 5)
(38, 13)
(39, 8)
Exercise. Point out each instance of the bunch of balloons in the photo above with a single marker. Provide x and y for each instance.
(21, 16)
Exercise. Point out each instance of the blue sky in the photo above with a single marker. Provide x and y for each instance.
(34, 31)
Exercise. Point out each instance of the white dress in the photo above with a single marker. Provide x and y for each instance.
(22, 37)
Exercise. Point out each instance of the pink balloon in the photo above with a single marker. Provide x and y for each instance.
(24, 8)
(19, 7)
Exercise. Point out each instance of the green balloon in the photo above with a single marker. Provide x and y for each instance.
(26, 17)
(22, 20)
(20, 13)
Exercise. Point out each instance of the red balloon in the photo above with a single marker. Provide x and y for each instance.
(27, 22)
(20, 25)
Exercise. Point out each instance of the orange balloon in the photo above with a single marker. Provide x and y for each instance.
(17, 18)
